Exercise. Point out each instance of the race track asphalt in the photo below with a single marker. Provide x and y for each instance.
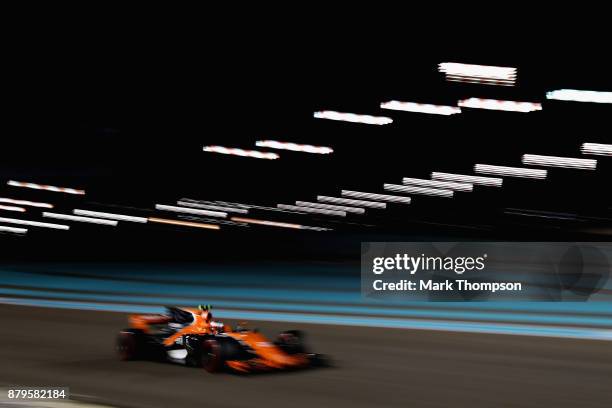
(373, 368)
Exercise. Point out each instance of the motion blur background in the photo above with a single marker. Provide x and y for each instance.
(128, 126)
(124, 115)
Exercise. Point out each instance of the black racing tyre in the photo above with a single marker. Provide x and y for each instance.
(215, 351)
(320, 360)
(212, 359)
(130, 344)
(291, 341)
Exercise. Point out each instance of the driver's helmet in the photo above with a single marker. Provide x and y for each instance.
(206, 312)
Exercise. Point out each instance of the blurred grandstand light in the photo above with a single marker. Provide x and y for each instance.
(484, 74)
(232, 206)
(555, 161)
(34, 223)
(273, 144)
(353, 117)
(495, 104)
(354, 210)
(110, 216)
(462, 178)
(576, 95)
(25, 202)
(382, 197)
(251, 206)
(445, 185)
(277, 224)
(241, 152)
(596, 149)
(348, 201)
(211, 220)
(212, 207)
(13, 230)
(476, 80)
(90, 220)
(44, 187)
(173, 208)
(418, 190)
(481, 71)
(183, 223)
(239, 205)
(420, 108)
(510, 171)
(12, 208)
(312, 210)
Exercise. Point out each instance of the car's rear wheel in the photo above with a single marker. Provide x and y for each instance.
(129, 344)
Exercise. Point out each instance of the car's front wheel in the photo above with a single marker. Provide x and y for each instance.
(212, 356)
(129, 344)
(291, 341)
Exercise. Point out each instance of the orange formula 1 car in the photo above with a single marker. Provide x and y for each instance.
(192, 337)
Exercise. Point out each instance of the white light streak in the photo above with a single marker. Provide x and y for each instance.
(510, 171)
(353, 117)
(305, 148)
(183, 223)
(12, 208)
(13, 230)
(173, 208)
(110, 216)
(34, 223)
(90, 220)
(311, 210)
(576, 95)
(462, 178)
(239, 205)
(596, 149)
(241, 152)
(495, 104)
(354, 210)
(361, 203)
(250, 206)
(477, 71)
(555, 161)
(418, 190)
(277, 224)
(444, 185)
(211, 220)
(478, 80)
(382, 197)
(421, 108)
(25, 202)
(44, 187)
(212, 207)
